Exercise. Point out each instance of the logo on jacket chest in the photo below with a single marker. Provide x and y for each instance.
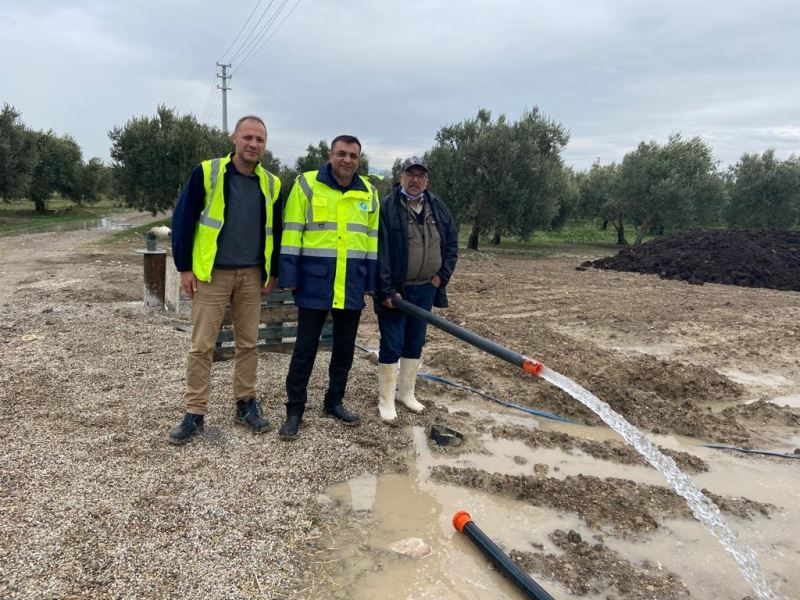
(363, 205)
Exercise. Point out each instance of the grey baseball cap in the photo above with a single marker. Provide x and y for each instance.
(414, 161)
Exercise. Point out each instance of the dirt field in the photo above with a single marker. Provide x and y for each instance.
(94, 503)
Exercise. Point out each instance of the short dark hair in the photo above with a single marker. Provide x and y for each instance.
(347, 139)
(250, 118)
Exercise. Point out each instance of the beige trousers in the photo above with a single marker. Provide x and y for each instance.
(241, 288)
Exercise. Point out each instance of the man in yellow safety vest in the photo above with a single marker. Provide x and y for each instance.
(225, 240)
(329, 258)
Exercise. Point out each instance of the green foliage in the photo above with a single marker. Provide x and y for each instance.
(93, 182)
(57, 169)
(153, 156)
(17, 155)
(314, 158)
(567, 195)
(598, 198)
(382, 184)
(397, 167)
(764, 191)
(501, 176)
(671, 186)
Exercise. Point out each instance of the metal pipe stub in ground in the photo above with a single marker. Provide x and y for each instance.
(462, 521)
(155, 266)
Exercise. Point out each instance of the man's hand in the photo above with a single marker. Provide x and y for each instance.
(388, 302)
(189, 283)
(436, 281)
(271, 283)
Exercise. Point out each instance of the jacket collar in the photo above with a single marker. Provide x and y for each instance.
(325, 175)
(232, 166)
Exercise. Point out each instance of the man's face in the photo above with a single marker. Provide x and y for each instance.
(250, 139)
(344, 160)
(414, 181)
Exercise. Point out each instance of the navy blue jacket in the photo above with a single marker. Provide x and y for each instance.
(187, 211)
(393, 248)
(312, 277)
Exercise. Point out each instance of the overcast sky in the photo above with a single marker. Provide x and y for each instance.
(613, 73)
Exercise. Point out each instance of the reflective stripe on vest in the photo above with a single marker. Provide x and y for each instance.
(204, 218)
(352, 236)
(208, 227)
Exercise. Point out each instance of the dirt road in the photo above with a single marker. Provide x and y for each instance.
(94, 503)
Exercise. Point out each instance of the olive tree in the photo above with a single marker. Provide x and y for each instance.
(501, 176)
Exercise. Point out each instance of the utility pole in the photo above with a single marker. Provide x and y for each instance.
(224, 87)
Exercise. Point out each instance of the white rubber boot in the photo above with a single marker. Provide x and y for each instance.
(387, 386)
(407, 381)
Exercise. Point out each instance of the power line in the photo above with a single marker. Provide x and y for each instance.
(261, 45)
(264, 29)
(246, 40)
(246, 21)
(213, 108)
(248, 47)
(204, 113)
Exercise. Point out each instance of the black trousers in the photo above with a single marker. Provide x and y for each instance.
(309, 328)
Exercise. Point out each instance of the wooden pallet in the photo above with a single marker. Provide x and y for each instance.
(277, 328)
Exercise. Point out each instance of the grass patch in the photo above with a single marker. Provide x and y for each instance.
(21, 216)
(585, 235)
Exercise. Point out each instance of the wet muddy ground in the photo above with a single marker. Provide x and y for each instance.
(690, 365)
(95, 503)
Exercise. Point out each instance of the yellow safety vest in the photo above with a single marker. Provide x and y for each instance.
(213, 216)
(329, 244)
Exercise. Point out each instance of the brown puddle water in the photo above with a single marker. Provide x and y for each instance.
(381, 510)
(394, 507)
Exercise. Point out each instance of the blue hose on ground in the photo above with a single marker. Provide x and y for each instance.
(547, 415)
(464, 386)
(750, 451)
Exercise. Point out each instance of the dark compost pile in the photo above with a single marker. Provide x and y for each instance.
(746, 257)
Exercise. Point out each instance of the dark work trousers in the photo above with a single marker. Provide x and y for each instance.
(309, 328)
(402, 336)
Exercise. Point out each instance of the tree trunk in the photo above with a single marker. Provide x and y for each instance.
(643, 229)
(620, 228)
(496, 239)
(472, 243)
(40, 205)
(604, 226)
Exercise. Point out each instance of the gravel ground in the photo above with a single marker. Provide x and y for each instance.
(93, 500)
(94, 503)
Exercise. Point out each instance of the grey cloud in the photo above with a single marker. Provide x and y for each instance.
(612, 72)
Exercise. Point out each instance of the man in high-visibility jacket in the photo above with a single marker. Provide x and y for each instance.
(329, 256)
(225, 242)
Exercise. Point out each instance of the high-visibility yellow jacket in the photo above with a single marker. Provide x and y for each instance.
(210, 222)
(329, 248)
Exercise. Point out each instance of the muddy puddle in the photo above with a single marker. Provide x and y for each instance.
(94, 224)
(378, 511)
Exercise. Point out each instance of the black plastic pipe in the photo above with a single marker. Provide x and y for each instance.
(463, 523)
(527, 364)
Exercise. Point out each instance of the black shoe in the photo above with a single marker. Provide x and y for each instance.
(288, 431)
(248, 411)
(190, 425)
(338, 411)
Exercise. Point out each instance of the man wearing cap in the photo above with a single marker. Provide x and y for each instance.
(417, 253)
